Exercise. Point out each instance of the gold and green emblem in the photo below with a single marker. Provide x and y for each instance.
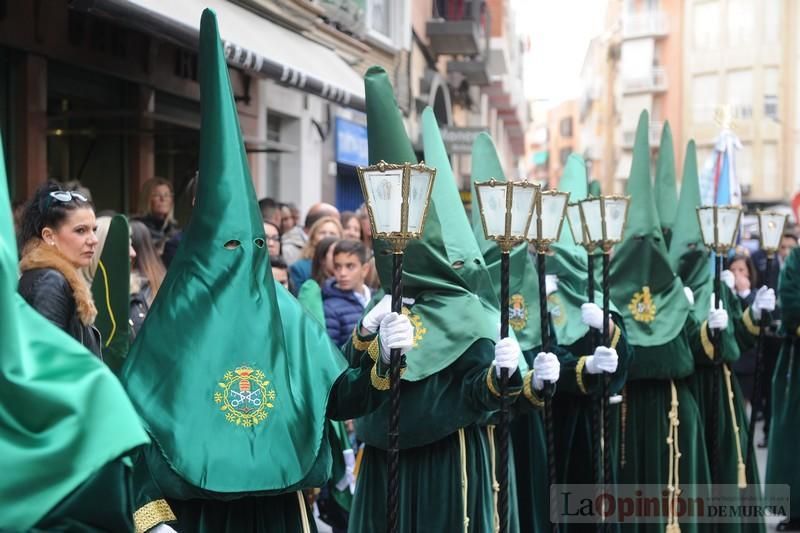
(246, 396)
(642, 307)
(556, 308)
(517, 312)
(416, 321)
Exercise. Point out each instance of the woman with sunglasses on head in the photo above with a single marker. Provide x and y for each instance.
(58, 238)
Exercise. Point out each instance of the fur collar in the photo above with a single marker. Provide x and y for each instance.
(38, 255)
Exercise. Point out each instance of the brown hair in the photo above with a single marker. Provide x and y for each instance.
(748, 263)
(318, 273)
(147, 262)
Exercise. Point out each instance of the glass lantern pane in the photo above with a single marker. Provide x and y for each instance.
(727, 224)
(616, 209)
(521, 207)
(385, 198)
(771, 229)
(705, 215)
(493, 208)
(418, 198)
(592, 217)
(575, 222)
(553, 205)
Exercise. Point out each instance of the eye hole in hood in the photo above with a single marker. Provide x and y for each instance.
(259, 242)
(232, 244)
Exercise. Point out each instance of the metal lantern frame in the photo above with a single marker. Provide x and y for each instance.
(542, 244)
(507, 241)
(401, 237)
(717, 246)
(771, 248)
(605, 242)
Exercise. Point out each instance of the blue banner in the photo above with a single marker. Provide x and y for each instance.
(351, 143)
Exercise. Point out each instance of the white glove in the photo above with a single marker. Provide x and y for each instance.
(764, 301)
(161, 528)
(603, 360)
(372, 320)
(546, 367)
(550, 284)
(728, 278)
(592, 315)
(689, 295)
(396, 331)
(717, 318)
(506, 355)
(348, 479)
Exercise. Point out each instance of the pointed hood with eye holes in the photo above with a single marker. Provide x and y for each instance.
(229, 373)
(444, 270)
(666, 191)
(687, 253)
(570, 264)
(63, 414)
(643, 285)
(523, 290)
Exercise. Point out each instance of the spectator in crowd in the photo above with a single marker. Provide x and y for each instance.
(101, 232)
(300, 270)
(366, 228)
(742, 276)
(322, 262)
(147, 274)
(345, 296)
(273, 234)
(58, 238)
(270, 211)
(157, 211)
(288, 218)
(351, 226)
(295, 240)
(280, 272)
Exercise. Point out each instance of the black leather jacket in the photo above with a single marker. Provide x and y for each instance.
(47, 291)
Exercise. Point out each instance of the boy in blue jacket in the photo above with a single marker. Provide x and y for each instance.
(345, 296)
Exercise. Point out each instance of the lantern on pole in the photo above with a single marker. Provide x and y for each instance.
(506, 209)
(397, 198)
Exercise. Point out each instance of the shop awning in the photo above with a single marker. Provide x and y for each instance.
(251, 42)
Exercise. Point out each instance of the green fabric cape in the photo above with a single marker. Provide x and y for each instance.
(63, 414)
(523, 304)
(666, 191)
(310, 295)
(111, 293)
(229, 372)
(643, 285)
(447, 297)
(570, 263)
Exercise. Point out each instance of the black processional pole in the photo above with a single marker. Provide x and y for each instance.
(389, 192)
(505, 210)
(770, 230)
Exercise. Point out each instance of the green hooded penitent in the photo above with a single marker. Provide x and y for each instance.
(64, 418)
(449, 388)
(231, 376)
(111, 293)
(663, 429)
(666, 191)
(523, 304)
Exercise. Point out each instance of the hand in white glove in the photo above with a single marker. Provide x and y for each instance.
(372, 320)
(764, 301)
(161, 528)
(717, 318)
(592, 315)
(396, 331)
(506, 355)
(728, 278)
(603, 360)
(550, 284)
(546, 367)
(689, 295)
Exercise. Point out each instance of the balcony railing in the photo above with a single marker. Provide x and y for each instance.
(646, 24)
(654, 81)
(458, 27)
(654, 134)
